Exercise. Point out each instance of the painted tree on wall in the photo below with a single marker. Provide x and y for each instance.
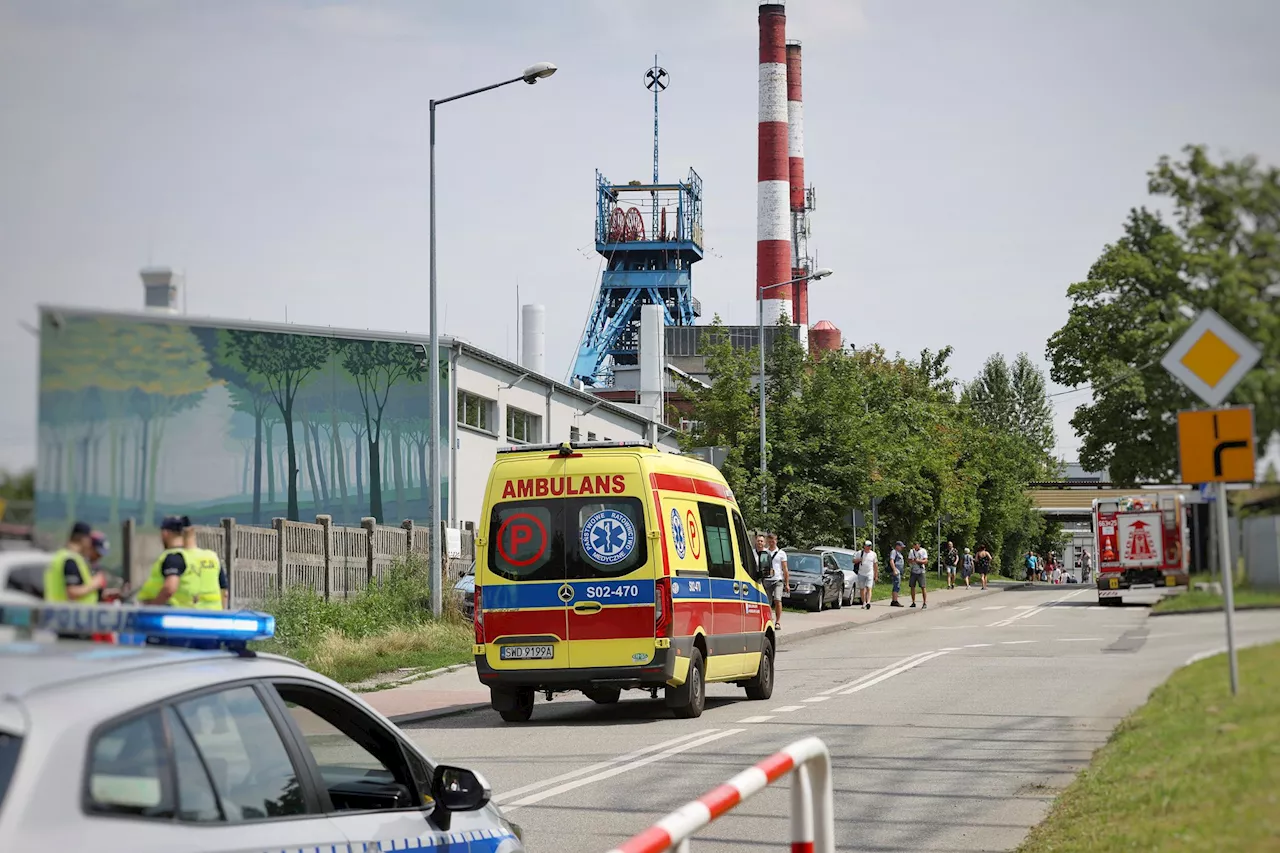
(249, 394)
(376, 366)
(284, 362)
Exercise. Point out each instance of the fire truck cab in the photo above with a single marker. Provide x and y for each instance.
(1140, 542)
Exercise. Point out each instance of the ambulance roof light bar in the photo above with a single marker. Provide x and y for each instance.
(561, 446)
(228, 628)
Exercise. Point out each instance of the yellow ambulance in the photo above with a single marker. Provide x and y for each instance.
(609, 566)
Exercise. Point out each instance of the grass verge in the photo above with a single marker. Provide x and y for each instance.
(1195, 599)
(1193, 769)
(382, 629)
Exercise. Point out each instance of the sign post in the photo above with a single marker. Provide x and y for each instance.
(1216, 445)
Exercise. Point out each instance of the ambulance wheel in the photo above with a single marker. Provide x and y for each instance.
(604, 695)
(514, 706)
(761, 686)
(689, 698)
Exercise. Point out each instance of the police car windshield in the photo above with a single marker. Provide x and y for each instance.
(552, 539)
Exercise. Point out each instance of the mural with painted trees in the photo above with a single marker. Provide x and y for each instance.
(143, 416)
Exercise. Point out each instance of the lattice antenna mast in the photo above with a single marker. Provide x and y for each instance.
(656, 79)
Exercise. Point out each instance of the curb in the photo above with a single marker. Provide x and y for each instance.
(785, 636)
(1195, 610)
(436, 713)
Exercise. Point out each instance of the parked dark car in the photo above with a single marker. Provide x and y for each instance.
(465, 592)
(816, 581)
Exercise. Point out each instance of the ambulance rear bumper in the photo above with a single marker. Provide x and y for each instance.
(654, 673)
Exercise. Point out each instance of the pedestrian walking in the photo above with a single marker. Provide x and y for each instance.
(1030, 561)
(866, 573)
(966, 569)
(952, 561)
(1086, 561)
(899, 566)
(984, 564)
(778, 578)
(919, 560)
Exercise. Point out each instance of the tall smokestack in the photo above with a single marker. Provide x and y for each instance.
(773, 227)
(795, 156)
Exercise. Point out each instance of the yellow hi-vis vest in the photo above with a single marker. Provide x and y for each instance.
(197, 585)
(205, 592)
(55, 583)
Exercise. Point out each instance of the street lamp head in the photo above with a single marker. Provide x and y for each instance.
(537, 71)
(822, 273)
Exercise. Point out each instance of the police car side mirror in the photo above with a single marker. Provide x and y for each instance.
(457, 789)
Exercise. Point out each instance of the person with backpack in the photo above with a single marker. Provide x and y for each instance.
(966, 570)
(773, 568)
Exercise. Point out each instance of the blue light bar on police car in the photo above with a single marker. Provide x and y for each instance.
(159, 622)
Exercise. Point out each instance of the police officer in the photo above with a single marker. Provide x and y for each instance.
(184, 575)
(69, 576)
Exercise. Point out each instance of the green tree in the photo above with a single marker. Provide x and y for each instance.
(284, 362)
(376, 366)
(1218, 248)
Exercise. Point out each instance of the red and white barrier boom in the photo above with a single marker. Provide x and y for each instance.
(812, 811)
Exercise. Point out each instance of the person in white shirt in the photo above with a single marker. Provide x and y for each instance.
(779, 577)
(866, 573)
(919, 560)
(1057, 574)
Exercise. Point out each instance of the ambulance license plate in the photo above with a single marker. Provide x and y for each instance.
(527, 653)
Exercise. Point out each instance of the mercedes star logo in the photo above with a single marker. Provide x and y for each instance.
(566, 593)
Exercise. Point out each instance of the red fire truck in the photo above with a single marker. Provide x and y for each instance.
(1140, 542)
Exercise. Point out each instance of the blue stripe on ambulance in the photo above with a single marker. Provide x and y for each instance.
(530, 594)
(703, 587)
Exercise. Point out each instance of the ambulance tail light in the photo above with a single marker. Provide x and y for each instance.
(663, 610)
(477, 617)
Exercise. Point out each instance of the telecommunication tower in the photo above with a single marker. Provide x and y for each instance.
(646, 262)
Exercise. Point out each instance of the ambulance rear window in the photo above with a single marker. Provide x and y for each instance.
(567, 538)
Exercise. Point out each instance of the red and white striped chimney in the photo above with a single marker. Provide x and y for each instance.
(773, 225)
(795, 153)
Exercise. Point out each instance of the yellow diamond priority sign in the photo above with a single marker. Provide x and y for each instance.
(1211, 357)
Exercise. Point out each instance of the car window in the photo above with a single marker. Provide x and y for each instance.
(246, 757)
(128, 769)
(811, 563)
(10, 745)
(196, 800)
(717, 539)
(351, 749)
(844, 561)
(574, 538)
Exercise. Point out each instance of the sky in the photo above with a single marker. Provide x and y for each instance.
(971, 159)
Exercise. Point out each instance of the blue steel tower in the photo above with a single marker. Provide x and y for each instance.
(650, 236)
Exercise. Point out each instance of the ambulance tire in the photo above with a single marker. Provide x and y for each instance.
(761, 685)
(515, 706)
(604, 695)
(688, 700)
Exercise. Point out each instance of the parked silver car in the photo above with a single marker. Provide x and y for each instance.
(847, 560)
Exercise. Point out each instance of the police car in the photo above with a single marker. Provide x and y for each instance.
(141, 747)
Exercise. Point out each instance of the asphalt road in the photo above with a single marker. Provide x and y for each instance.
(950, 729)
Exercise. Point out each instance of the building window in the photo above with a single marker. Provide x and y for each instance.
(690, 426)
(522, 427)
(591, 436)
(474, 411)
(575, 434)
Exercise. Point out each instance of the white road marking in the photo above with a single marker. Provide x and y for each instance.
(1208, 653)
(950, 649)
(863, 678)
(787, 709)
(966, 607)
(762, 719)
(995, 607)
(1025, 607)
(1015, 642)
(891, 673)
(582, 771)
(618, 769)
(978, 646)
(1079, 639)
(817, 698)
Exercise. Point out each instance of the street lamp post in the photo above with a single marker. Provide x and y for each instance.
(530, 75)
(764, 468)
